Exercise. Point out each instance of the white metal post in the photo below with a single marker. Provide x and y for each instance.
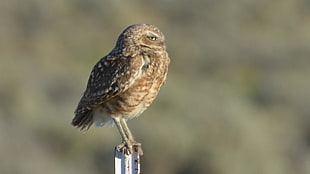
(125, 163)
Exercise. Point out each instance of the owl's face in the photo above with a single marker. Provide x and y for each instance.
(140, 37)
(152, 40)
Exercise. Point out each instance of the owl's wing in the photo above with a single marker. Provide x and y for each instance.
(110, 76)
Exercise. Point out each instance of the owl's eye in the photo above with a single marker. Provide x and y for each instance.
(153, 38)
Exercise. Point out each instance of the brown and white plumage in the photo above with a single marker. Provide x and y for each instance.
(126, 81)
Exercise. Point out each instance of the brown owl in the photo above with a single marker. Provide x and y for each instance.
(125, 82)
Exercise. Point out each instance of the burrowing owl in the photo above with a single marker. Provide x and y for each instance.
(125, 82)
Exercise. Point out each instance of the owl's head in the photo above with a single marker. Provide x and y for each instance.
(139, 37)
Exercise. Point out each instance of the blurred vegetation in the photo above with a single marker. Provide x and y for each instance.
(236, 100)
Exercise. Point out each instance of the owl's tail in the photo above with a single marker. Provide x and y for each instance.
(83, 120)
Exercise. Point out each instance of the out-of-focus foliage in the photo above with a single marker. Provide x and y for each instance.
(236, 100)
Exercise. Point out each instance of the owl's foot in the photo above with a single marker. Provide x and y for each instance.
(130, 147)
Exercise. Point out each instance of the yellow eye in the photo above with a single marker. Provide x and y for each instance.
(152, 38)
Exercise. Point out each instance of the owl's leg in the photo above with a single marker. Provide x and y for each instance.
(127, 130)
(132, 144)
(129, 144)
(121, 131)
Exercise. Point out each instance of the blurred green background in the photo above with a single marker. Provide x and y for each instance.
(236, 100)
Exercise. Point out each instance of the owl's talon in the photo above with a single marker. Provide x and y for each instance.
(129, 148)
(137, 148)
(120, 147)
(124, 148)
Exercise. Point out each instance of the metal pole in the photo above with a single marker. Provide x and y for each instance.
(127, 163)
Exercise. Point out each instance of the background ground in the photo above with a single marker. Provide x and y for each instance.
(236, 100)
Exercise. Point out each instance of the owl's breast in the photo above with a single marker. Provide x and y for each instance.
(139, 96)
(141, 93)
